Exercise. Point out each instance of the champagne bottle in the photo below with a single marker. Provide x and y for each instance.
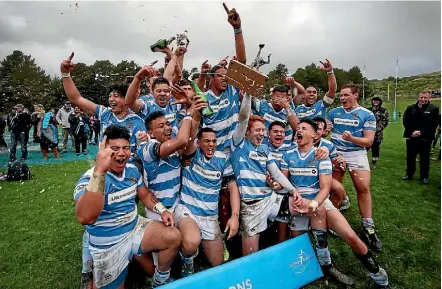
(207, 110)
(161, 44)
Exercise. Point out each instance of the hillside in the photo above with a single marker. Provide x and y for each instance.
(408, 87)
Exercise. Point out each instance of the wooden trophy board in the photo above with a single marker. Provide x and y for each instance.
(245, 78)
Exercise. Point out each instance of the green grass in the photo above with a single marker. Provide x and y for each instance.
(41, 239)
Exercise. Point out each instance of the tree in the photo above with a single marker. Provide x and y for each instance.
(22, 81)
(355, 75)
(276, 76)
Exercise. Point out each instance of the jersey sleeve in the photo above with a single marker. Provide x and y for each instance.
(99, 111)
(234, 95)
(256, 105)
(80, 187)
(228, 168)
(148, 151)
(140, 182)
(285, 161)
(333, 151)
(325, 167)
(370, 122)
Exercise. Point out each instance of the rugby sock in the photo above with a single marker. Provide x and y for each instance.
(160, 277)
(369, 261)
(368, 223)
(188, 260)
(322, 251)
(86, 256)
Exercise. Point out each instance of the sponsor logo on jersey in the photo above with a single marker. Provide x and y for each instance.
(305, 172)
(258, 156)
(213, 175)
(349, 122)
(122, 195)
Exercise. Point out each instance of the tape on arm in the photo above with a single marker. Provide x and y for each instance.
(327, 99)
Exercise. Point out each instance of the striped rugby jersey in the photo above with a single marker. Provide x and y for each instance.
(161, 175)
(304, 171)
(131, 121)
(317, 109)
(250, 168)
(355, 121)
(202, 182)
(119, 215)
(225, 117)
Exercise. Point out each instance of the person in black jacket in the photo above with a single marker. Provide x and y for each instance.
(79, 129)
(3, 144)
(382, 119)
(19, 124)
(420, 122)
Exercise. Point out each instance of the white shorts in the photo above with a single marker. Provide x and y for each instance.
(254, 216)
(110, 263)
(302, 223)
(157, 217)
(209, 226)
(357, 160)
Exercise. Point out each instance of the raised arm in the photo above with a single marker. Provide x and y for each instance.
(331, 93)
(297, 100)
(201, 80)
(131, 95)
(244, 114)
(66, 67)
(234, 20)
(198, 105)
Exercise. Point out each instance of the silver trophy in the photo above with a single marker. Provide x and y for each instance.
(182, 39)
(259, 61)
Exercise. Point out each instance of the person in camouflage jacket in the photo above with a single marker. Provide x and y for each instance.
(382, 119)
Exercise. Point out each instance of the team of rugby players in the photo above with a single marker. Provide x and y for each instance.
(255, 159)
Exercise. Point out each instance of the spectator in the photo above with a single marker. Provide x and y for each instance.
(382, 119)
(3, 144)
(36, 118)
(49, 134)
(79, 129)
(19, 123)
(91, 130)
(420, 122)
(63, 119)
(96, 127)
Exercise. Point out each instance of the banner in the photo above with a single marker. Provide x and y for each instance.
(289, 265)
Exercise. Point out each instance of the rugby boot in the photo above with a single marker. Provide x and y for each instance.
(332, 272)
(187, 269)
(345, 204)
(86, 281)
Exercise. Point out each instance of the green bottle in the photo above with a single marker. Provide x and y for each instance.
(207, 110)
(161, 44)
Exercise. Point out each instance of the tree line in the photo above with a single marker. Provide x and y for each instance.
(23, 81)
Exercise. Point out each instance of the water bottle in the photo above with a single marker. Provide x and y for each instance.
(207, 110)
(161, 44)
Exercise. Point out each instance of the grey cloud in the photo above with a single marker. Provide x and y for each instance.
(295, 33)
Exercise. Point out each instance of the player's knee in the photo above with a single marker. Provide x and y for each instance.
(190, 242)
(173, 237)
(363, 190)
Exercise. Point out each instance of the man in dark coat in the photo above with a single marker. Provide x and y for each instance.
(382, 119)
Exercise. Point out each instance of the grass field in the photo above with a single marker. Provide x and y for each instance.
(41, 240)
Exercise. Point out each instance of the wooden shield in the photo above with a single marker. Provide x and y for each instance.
(246, 79)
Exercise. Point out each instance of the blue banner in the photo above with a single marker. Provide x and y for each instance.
(289, 265)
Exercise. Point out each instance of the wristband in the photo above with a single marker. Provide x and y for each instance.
(96, 183)
(330, 72)
(65, 75)
(237, 30)
(188, 117)
(236, 215)
(159, 208)
(314, 205)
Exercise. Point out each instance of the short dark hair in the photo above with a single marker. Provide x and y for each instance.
(120, 88)
(276, 122)
(310, 122)
(215, 69)
(153, 116)
(203, 130)
(159, 80)
(320, 119)
(353, 87)
(184, 82)
(280, 88)
(116, 131)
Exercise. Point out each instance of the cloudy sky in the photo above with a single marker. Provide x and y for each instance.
(295, 33)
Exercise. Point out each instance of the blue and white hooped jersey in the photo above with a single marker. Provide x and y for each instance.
(264, 109)
(330, 146)
(304, 171)
(131, 121)
(119, 215)
(202, 183)
(147, 97)
(173, 113)
(355, 121)
(317, 109)
(278, 153)
(250, 168)
(161, 175)
(225, 115)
